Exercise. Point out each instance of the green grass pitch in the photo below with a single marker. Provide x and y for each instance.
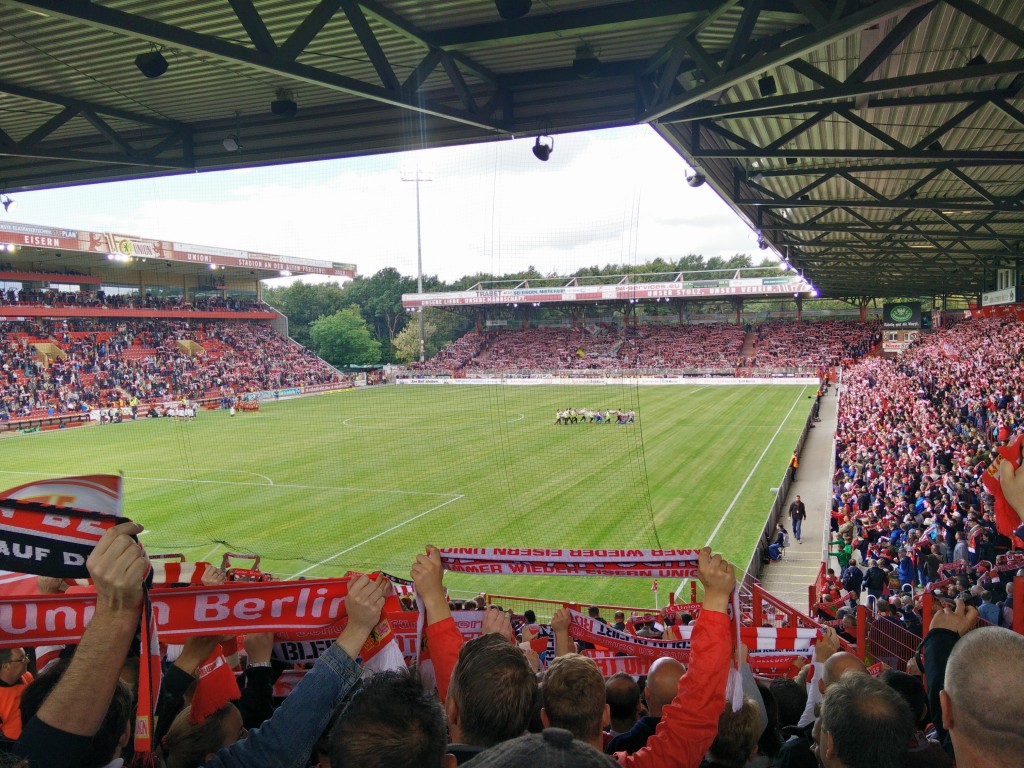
(363, 479)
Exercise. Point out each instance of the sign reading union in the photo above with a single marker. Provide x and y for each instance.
(750, 286)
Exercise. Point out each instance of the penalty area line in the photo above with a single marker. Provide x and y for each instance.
(753, 469)
(375, 536)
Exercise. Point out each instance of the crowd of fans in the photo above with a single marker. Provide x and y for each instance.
(710, 346)
(99, 299)
(488, 702)
(786, 344)
(914, 438)
(98, 362)
(910, 514)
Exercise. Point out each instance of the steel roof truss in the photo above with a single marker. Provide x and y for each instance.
(795, 48)
(728, 135)
(817, 99)
(663, 54)
(813, 11)
(120, 22)
(807, 124)
(308, 29)
(951, 123)
(973, 185)
(49, 126)
(870, 129)
(253, 24)
(890, 42)
(741, 35)
(112, 136)
(371, 46)
(997, 24)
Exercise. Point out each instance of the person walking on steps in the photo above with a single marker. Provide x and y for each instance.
(798, 513)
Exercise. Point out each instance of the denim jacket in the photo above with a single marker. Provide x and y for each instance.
(284, 741)
(287, 739)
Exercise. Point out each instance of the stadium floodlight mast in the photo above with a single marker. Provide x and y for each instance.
(417, 175)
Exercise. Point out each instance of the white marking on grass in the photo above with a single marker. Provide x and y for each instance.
(288, 485)
(260, 485)
(374, 423)
(205, 557)
(375, 536)
(753, 469)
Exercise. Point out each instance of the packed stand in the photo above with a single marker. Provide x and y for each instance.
(100, 362)
(596, 347)
(487, 700)
(93, 300)
(910, 510)
(787, 344)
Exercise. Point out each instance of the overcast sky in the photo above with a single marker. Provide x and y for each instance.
(605, 196)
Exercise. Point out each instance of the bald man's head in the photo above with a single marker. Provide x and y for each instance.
(662, 683)
(982, 705)
(839, 664)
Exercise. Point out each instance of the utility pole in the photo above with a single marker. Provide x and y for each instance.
(418, 176)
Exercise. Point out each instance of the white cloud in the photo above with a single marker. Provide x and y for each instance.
(610, 196)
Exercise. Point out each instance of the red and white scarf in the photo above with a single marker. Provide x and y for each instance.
(647, 563)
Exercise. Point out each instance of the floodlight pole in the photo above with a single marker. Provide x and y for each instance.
(418, 177)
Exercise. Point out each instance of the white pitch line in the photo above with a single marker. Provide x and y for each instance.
(204, 558)
(753, 469)
(260, 485)
(376, 536)
(289, 485)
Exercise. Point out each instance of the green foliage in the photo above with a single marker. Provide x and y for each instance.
(304, 303)
(380, 300)
(344, 339)
(439, 328)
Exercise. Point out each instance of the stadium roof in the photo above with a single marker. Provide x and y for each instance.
(42, 253)
(876, 145)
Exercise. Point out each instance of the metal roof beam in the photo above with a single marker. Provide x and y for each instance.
(1002, 27)
(876, 167)
(946, 204)
(49, 126)
(993, 157)
(666, 51)
(798, 129)
(371, 46)
(835, 30)
(139, 161)
(870, 129)
(254, 27)
(122, 23)
(310, 27)
(890, 42)
(815, 99)
(949, 124)
(742, 33)
(911, 231)
(617, 16)
(77, 104)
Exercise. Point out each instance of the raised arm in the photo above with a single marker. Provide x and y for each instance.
(78, 704)
(689, 723)
(443, 638)
(287, 739)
